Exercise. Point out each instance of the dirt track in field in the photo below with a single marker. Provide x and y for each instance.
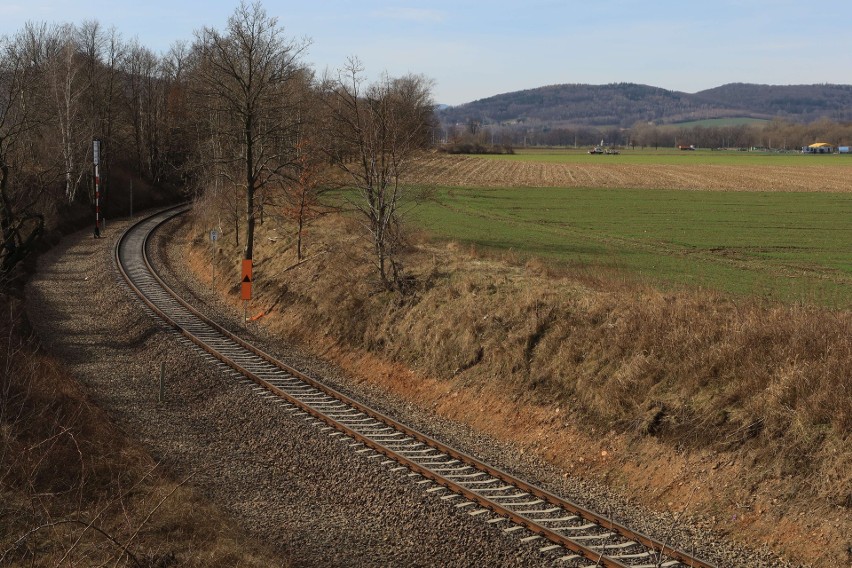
(472, 171)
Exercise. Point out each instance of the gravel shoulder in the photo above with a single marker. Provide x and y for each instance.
(278, 476)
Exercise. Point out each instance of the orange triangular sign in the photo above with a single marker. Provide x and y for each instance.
(246, 281)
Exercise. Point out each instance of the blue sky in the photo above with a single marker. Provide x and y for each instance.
(474, 49)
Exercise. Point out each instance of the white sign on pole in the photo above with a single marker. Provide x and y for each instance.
(96, 152)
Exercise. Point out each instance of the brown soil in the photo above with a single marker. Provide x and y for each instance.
(471, 171)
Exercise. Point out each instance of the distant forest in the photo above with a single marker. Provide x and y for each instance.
(632, 114)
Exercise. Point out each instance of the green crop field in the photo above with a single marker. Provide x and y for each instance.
(793, 247)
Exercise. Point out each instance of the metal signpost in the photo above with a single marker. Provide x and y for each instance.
(96, 157)
(214, 236)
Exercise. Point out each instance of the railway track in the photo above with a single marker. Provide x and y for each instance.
(569, 533)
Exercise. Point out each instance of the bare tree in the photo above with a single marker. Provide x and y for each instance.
(374, 134)
(73, 87)
(177, 116)
(19, 223)
(104, 51)
(141, 68)
(246, 75)
(303, 194)
(67, 83)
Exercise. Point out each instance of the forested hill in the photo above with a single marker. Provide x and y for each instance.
(625, 104)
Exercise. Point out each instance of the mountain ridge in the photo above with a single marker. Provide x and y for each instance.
(625, 104)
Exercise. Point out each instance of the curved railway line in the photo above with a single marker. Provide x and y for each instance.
(570, 533)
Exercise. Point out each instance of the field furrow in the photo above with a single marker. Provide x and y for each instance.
(469, 171)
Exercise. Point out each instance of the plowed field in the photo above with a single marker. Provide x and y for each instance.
(471, 171)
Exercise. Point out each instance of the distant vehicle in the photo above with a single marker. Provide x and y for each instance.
(599, 150)
(690, 147)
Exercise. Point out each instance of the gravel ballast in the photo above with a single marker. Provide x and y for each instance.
(278, 475)
(309, 494)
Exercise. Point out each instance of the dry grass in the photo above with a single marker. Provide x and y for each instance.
(717, 380)
(76, 491)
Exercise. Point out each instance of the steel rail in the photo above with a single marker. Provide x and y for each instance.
(659, 549)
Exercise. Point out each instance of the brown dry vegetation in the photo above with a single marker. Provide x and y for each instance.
(467, 171)
(76, 491)
(734, 410)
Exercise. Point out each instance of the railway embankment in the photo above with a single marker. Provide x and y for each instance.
(733, 413)
(266, 490)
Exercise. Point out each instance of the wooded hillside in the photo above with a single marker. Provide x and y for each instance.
(625, 104)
